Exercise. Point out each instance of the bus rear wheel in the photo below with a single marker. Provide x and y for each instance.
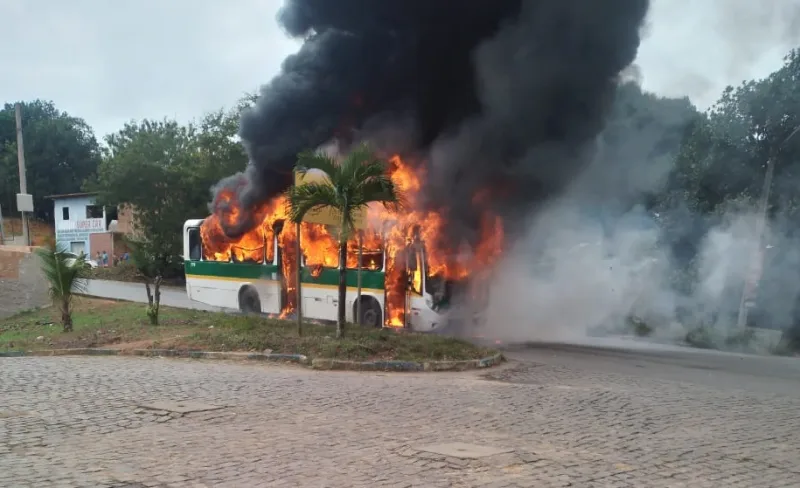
(249, 302)
(370, 313)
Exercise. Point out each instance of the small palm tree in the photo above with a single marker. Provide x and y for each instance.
(353, 183)
(66, 274)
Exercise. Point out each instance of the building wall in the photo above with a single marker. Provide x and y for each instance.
(22, 285)
(42, 233)
(125, 220)
(102, 241)
(73, 232)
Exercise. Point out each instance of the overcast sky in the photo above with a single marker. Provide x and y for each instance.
(112, 61)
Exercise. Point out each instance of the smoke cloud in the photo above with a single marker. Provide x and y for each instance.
(507, 95)
(599, 261)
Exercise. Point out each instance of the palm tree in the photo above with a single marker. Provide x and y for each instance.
(353, 183)
(66, 274)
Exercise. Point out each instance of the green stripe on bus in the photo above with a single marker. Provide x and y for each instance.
(330, 277)
(245, 271)
(248, 271)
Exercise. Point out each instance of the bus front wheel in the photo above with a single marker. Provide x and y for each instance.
(370, 312)
(249, 302)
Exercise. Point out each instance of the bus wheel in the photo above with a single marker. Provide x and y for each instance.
(370, 313)
(249, 303)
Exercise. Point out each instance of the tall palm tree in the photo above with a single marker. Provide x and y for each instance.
(66, 274)
(354, 182)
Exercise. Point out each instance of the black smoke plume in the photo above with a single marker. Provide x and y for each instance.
(505, 96)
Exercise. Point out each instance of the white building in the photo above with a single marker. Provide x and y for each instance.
(76, 218)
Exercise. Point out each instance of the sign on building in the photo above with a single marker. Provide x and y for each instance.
(79, 230)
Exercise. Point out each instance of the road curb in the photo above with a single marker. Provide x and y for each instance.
(319, 363)
(251, 356)
(409, 366)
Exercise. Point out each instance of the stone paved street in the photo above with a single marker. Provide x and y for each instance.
(74, 422)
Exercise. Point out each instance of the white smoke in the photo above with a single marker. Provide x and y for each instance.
(576, 275)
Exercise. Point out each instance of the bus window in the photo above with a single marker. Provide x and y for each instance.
(195, 246)
(371, 259)
(371, 253)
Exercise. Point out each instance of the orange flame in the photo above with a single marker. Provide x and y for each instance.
(319, 246)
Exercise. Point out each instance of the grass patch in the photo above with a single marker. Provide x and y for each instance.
(124, 325)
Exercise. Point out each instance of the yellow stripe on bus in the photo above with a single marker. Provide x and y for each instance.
(304, 285)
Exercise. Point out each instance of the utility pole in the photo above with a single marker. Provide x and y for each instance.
(358, 294)
(298, 277)
(761, 224)
(24, 201)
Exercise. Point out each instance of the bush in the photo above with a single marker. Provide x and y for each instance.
(701, 337)
(741, 339)
(639, 327)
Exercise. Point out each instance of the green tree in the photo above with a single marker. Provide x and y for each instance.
(149, 167)
(723, 162)
(164, 172)
(150, 263)
(726, 154)
(353, 183)
(60, 153)
(66, 275)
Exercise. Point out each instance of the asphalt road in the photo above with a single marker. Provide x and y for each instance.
(135, 292)
(714, 369)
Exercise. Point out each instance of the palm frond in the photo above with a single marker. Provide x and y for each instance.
(308, 197)
(308, 160)
(359, 160)
(381, 190)
(65, 273)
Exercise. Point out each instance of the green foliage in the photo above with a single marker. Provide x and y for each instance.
(164, 171)
(702, 337)
(639, 326)
(66, 275)
(60, 153)
(725, 155)
(353, 183)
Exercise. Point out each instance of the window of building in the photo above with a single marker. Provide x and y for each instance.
(64, 213)
(94, 212)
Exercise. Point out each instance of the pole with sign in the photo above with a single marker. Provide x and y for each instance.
(358, 274)
(24, 200)
(299, 277)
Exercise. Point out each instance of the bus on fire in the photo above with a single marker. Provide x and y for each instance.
(258, 283)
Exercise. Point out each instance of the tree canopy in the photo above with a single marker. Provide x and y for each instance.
(165, 170)
(60, 153)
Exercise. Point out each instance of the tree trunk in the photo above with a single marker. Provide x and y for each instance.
(342, 289)
(66, 316)
(153, 299)
(298, 286)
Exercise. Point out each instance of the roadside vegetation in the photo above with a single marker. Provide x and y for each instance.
(125, 325)
(127, 272)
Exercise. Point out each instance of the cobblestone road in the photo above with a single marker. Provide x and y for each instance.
(74, 422)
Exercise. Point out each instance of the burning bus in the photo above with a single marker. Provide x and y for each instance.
(407, 279)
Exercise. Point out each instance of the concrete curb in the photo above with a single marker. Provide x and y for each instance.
(410, 366)
(319, 363)
(295, 358)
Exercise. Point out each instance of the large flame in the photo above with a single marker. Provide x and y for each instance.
(392, 232)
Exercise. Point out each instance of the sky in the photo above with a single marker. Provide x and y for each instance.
(111, 62)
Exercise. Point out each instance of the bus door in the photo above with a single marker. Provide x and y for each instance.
(415, 272)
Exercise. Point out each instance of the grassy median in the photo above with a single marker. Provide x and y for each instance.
(123, 325)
